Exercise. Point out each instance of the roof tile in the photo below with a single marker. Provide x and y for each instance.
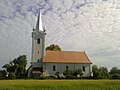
(66, 57)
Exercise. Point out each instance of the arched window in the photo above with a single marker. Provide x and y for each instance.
(38, 41)
(67, 67)
(38, 60)
(83, 68)
(54, 68)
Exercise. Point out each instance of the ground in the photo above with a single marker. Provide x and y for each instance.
(59, 85)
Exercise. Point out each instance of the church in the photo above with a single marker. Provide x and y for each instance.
(47, 63)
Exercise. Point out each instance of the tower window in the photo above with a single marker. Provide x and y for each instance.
(38, 60)
(54, 68)
(83, 68)
(38, 41)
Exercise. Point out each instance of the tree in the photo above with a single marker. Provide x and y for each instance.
(115, 73)
(53, 47)
(10, 70)
(104, 72)
(77, 72)
(96, 73)
(21, 61)
(67, 73)
(3, 74)
(100, 73)
(17, 67)
(114, 70)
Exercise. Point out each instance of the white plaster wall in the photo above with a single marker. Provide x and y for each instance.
(87, 68)
(37, 47)
(36, 64)
(61, 67)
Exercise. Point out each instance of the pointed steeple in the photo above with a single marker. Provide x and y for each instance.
(39, 22)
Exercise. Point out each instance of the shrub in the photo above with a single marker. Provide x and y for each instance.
(115, 76)
(67, 73)
(77, 72)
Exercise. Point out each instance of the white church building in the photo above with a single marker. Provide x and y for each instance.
(49, 62)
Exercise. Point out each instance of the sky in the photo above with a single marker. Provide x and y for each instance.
(91, 26)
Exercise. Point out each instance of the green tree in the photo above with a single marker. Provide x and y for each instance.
(10, 70)
(17, 67)
(100, 73)
(53, 47)
(67, 73)
(4, 74)
(21, 61)
(115, 73)
(77, 72)
(95, 70)
(104, 72)
(114, 70)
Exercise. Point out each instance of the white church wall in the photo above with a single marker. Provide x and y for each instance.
(87, 68)
(49, 68)
(36, 64)
(61, 67)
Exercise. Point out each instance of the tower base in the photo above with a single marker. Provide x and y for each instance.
(35, 70)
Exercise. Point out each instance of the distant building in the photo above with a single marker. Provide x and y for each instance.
(54, 61)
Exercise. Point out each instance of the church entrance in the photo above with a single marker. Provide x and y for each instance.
(37, 71)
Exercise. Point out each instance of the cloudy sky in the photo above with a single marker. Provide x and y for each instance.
(92, 26)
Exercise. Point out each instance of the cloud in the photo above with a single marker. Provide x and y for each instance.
(90, 25)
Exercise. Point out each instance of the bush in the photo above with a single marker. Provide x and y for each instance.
(57, 74)
(77, 72)
(115, 76)
(67, 73)
(11, 75)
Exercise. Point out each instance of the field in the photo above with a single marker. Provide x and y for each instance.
(59, 85)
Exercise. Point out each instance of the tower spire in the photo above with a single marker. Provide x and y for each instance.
(39, 22)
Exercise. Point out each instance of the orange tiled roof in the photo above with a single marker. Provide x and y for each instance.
(66, 57)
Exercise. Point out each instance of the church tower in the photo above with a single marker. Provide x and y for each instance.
(38, 41)
(38, 47)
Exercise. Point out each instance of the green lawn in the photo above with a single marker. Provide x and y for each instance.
(59, 85)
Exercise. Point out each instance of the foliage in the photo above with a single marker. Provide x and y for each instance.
(21, 60)
(16, 68)
(115, 73)
(95, 71)
(104, 72)
(114, 70)
(57, 74)
(100, 73)
(115, 76)
(59, 85)
(67, 73)
(3, 74)
(72, 73)
(11, 75)
(53, 47)
(77, 72)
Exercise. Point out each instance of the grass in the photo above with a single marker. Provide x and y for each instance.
(59, 85)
